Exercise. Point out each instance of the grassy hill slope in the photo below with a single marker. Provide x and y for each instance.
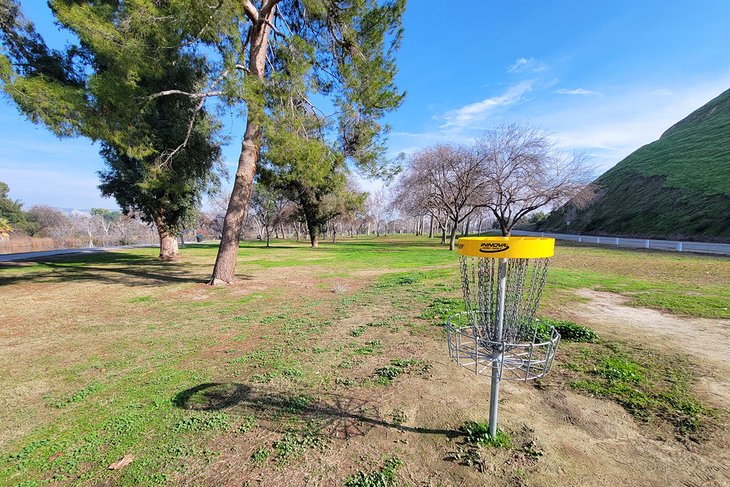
(675, 187)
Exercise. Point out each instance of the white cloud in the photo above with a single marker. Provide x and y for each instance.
(529, 65)
(369, 185)
(619, 122)
(577, 91)
(466, 115)
(609, 126)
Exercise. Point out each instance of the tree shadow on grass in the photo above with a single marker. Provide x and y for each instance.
(336, 416)
(271, 247)
(105, 268)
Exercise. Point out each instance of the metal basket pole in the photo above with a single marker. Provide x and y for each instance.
(502, 279)
(497, 362)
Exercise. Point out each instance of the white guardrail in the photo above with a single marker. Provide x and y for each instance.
(637, 243)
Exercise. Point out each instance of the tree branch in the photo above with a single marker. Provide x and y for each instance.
(251, 11)
(205, 94)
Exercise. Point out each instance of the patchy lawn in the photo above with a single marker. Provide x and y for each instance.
(329, 367)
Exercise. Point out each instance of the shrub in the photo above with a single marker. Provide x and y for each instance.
(572, 332)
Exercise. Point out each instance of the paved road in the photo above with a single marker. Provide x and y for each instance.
(51, 253)
(670, 245)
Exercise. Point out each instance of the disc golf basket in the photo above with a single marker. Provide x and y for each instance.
(497, 334)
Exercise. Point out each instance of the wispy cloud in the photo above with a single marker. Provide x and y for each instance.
(620, 121)
(610, 125)
(576, 91)
(466, 115)
(527, 65)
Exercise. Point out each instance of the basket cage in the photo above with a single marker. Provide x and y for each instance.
(514, 361)
(525, 280)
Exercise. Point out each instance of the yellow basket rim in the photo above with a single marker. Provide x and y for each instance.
(512, 247)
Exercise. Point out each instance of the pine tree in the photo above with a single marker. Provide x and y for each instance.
(127, 83)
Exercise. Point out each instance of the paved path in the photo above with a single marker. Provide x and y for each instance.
(51, 253)
(671, 245)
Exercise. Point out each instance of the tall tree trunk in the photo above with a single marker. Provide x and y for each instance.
(168, 242)
(452, 237)
(430, 228)
(313, 240)
(311, 228)
(225, 263)
(466, 230)
(443, 234)
(479, 229)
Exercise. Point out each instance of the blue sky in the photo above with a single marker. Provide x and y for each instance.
(607, 77)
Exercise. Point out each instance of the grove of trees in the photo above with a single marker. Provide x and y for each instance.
(150, 82)
(141, 76)
(510, 171)
(24, 230)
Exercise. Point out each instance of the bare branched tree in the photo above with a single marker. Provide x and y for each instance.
(524, 170)
(447, 182)
(378, 208)
(270, 207)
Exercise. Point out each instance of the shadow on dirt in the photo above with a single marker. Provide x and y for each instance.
(336, 416)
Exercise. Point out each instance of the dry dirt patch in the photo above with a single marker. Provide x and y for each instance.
(581, 440)
(705, 341)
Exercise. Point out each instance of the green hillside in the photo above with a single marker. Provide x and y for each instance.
(675, 187)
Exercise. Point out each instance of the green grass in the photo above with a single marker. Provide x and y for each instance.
(706, 301)
(153, 333)
(652, 387)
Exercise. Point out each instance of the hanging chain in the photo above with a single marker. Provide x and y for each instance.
(525, 283)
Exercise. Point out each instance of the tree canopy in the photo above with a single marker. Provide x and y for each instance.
(126, 83)
(11, 212)
(108, 85)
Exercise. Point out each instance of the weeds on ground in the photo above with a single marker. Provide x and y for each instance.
(568, 330)
(476, 437)
(294, 443)
(649, 385)
(260, 455)
(477, 433)
(441, 308)
(249, 423)
(204, 421)
(371, 347)
(384, 477)
(387, 374)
